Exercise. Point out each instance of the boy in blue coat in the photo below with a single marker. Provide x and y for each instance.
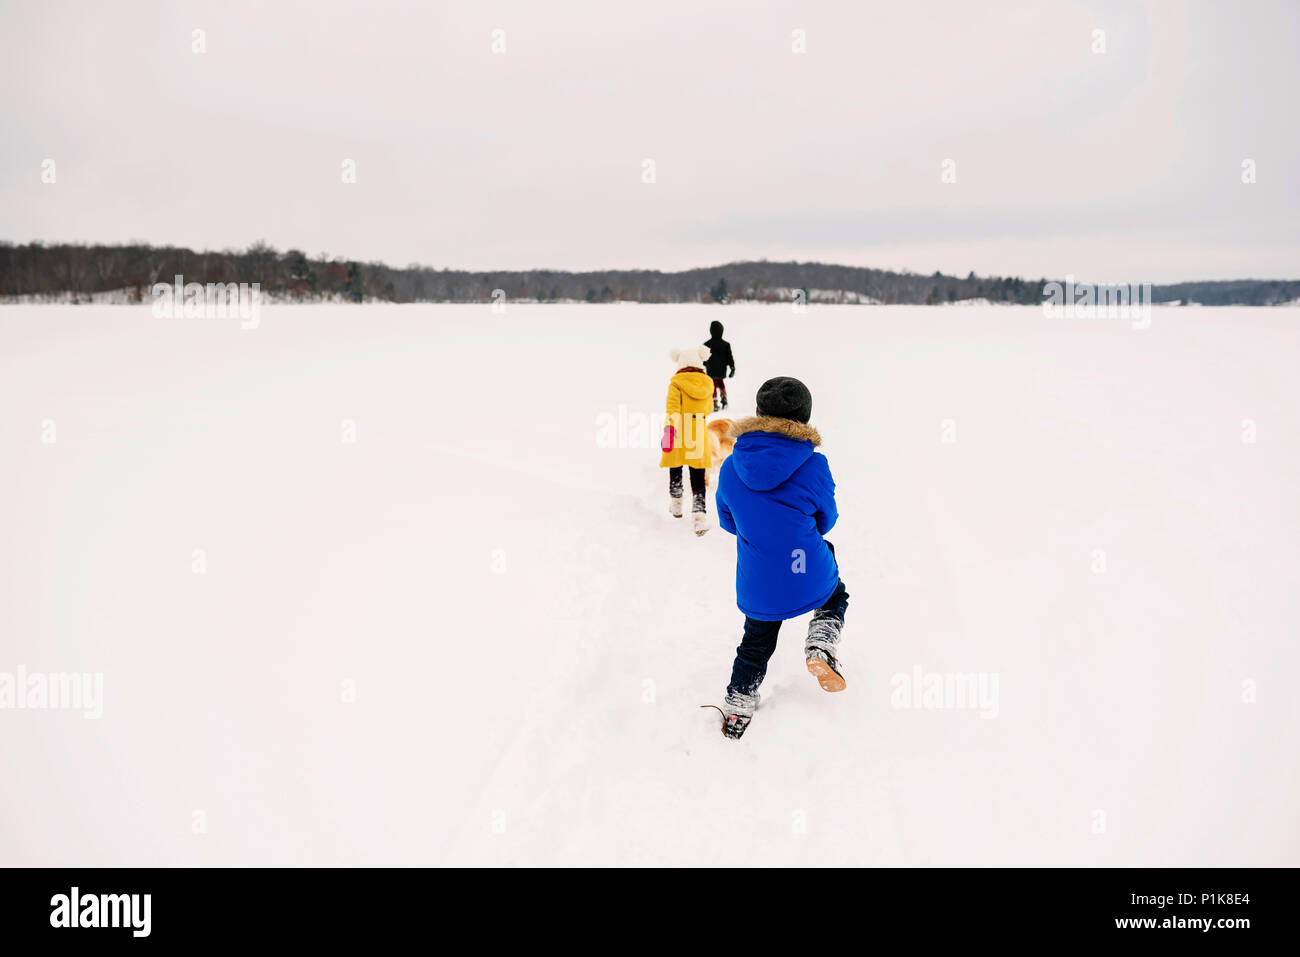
(776, 495)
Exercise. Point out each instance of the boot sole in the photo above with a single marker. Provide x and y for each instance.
(825, 675)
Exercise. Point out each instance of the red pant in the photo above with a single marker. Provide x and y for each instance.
(719, 386)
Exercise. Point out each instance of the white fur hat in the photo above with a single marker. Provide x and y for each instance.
(694, 356)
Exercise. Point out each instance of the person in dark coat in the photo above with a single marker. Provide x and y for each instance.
(720, 364)
(776, 495)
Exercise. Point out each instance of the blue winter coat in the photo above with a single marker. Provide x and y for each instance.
(776, 495)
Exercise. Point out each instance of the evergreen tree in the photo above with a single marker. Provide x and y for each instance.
(355, 286)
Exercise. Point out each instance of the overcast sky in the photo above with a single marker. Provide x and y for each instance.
(1122, 165)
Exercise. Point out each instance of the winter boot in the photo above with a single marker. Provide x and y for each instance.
(825, 667)
(675, 492)
(820, 646)
(824, 632)
(737, 711)
(734, 723)
(699, 517)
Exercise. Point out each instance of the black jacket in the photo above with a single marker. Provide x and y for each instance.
(720, 360)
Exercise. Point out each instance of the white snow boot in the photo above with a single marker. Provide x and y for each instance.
(699, 517)
(675, 507)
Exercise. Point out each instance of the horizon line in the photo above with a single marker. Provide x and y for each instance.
(318, 257)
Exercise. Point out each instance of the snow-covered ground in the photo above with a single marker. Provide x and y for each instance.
(474, 635)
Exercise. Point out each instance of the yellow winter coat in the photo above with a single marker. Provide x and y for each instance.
(690, 400)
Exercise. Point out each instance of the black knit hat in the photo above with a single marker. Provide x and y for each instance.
(785, 398)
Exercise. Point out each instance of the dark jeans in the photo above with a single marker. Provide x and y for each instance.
(675, 481)
(759, 643)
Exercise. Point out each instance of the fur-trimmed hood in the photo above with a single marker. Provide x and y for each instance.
(769, 450)
(770, 423)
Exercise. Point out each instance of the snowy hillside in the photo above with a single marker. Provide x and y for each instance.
(397, 584)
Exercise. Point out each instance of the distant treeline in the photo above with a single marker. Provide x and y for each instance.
(80, 271)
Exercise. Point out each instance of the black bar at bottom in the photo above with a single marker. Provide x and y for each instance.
(375, 906)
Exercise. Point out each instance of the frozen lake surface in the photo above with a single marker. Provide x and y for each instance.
(397, 585)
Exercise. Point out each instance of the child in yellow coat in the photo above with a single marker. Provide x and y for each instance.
(686, 436)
